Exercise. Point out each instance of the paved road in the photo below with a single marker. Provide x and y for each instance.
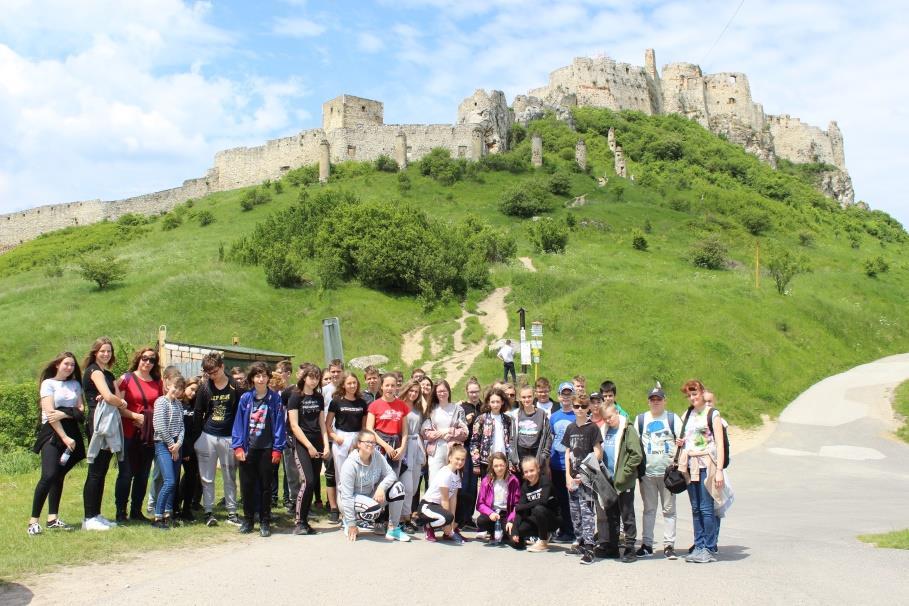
(829, 472)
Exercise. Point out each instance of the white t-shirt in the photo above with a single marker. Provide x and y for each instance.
(444, 477)
(545, 407)
(498, 435)
(65, 393)
(499, 495)
(507, 353)
(658, 442)
(327, 392)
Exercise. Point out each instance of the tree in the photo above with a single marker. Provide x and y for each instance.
(102, 271)
(783, 266)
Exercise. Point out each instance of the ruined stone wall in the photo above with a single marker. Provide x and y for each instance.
(348, 111)
(683, 92)
(729, 94)
(19, 227)
(369, 142)
(243, 166)
(800, 142)
(599, 82)
(158, 202)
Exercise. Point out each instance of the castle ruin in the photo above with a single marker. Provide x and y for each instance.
(353, 128)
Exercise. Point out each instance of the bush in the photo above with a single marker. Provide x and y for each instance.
(404, 184)
(525, 200)
(254, 197)
(618, 189)
(806, 239)
(19, 415)
(560, 184)
(386, 164)
(132, 220)
(206, 217)
(102, 271)
(680, 204)
(784, 266)
(171, 221)
(638, 241)
(439, 165)
(280, 271)
(875, 266)
(755, 221)
(516, 134)
(302, 176)
(515, 162)
(709, 253)
(279, 187)
(53, 268)
(548, 236)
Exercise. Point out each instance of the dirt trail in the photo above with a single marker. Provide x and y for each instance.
(412, 346)
(527, 262)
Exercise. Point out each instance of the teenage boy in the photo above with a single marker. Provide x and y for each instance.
(608, 390)
(580, 439)
(622, 453)
(541, 391)
(658, 434)
(558, 423)
(216, 406)
(373, 381)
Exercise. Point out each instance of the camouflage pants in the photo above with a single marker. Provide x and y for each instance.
(583, 518)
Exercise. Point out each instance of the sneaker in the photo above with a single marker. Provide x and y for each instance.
(160, 525)
(468, 525)
(605, 551)
(630, 556)
(538, 547)
(455, 537)
(245, 527)
(396, 534)
(210, 519)
(575, 549)
(692, 554)
(334, 516)
(644, 551)
(563, 537)
(700, 556)
(35, 529)
(669, 553)
(587, 557)
(94, 524)
(58, 524)
(409, 528)
(303, 529)
(712, 554)
(430, 534)
(264, 529)
(121, 517)
(233, 519)
(104, 520)
(187, 516)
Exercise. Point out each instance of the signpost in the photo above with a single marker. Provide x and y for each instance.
(536, 346)
(525, 345)
(331, 339)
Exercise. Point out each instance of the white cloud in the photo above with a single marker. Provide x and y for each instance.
(369, 42)
(297, 27)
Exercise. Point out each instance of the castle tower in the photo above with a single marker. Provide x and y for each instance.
(536, 150)
(580, 154)
(653, 82)
(836, 145)
(477, 145)
(620, 169)
(324, 161)
(610, 139)
(401, 150)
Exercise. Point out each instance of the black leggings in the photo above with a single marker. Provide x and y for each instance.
(310, 471)
(484, 523)
(187, 488)
(435, 515)
(93, 493)
(538, 522)
(50, 486)
(255, 476)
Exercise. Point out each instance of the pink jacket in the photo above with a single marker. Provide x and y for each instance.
(486, 496)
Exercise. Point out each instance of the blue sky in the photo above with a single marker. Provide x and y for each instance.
(123, 98)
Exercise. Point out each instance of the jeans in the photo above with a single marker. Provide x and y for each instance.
(509, 368)
(170, 471)
(654, 491)
(132, 479)
(702, 514)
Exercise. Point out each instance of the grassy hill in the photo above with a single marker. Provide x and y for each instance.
(608, 309)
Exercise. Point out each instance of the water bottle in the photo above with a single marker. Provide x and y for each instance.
(498, 531)
(65, 456)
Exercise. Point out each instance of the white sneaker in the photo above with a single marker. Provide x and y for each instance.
(94, 524)
(106, 522)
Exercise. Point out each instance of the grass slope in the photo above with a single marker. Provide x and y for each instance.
(898, 539)
(608, 310)
(901, 407)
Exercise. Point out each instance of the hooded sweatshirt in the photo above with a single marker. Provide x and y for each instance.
(358, 477)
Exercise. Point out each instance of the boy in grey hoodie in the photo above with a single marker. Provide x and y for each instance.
(369, 491)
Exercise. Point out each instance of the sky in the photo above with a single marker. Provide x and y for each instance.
(115, 98)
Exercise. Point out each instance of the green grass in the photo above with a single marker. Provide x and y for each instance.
(901, 407)
(608, 311)
(898, 539)
(473, 331)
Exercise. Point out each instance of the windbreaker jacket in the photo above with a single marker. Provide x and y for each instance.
(486, 496)
(240, 434)
(628, 455)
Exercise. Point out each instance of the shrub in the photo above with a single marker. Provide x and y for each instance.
(302, 176)
(560, 184)
(638, 241)
(439, 165)
(102, 271)
(571, 222)
(171, 221)
(19, 415)
(680, 204)
(709, 253)
(404, 184)
(755, 221)
(53, 268)
(254, 197)
(517, 161)
(875, 266)
(548, 236)
(132, 220)
(618, 189)
(279, 187)
(189, 203)
(386, 164)
(206, 217)
(525, 200)
(783, 266)
(806, 239)
(516, 134)
(280, 271)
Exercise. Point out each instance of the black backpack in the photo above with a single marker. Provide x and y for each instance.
(642, 466)
(710, 414)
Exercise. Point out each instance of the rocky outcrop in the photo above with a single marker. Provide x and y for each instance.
(837, 184)
(489, 112)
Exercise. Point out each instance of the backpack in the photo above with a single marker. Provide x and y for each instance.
(710, 414)
(642, 466)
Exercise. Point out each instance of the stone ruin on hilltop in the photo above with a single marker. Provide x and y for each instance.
(353, 128)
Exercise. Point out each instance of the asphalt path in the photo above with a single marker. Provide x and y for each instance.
(830, 471)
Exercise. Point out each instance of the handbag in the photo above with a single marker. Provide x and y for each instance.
(147, 432)
(675, 480)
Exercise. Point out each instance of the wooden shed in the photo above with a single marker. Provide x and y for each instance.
(188, 356)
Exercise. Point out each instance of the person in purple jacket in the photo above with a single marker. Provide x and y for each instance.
(499, 493)
(258, 439)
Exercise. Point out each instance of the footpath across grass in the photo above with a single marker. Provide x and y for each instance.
(901, 407)
(898, 539)
(23, 555)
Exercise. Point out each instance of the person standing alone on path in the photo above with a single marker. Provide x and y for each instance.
(506, 354)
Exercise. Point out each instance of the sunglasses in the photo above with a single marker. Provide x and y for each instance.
(151, 359)
(580, 406)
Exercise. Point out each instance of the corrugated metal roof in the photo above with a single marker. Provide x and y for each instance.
(237, 349)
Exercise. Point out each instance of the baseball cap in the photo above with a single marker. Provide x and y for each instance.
(596, 396)
(657, 392)
(566, 385)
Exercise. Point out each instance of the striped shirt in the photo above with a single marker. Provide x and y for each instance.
(168, 421)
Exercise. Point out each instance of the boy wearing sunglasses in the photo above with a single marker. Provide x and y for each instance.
(581, 438)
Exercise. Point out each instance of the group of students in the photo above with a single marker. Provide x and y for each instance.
(510, 463)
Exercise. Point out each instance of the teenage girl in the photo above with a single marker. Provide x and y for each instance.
(386, 417)
(169, 436)
(346, 418)
(412, 468)
(306, 417)
(437, 508)
(445, 424)
(499, 493)
(492, 431)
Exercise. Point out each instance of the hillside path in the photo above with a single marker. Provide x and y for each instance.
(829, 471)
